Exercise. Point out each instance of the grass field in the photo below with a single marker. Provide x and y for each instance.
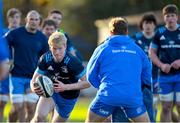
(78, 114)
(80, 111)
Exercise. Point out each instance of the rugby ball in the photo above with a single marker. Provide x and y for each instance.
(46, 85)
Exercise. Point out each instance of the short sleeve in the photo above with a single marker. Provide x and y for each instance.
(9, 37)
(155, 42)
(76, 67)
(41, 67)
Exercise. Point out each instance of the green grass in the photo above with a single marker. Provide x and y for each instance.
(78, 114)
(80, 111)
(7, 110)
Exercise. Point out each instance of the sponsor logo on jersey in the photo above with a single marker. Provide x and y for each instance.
(124, 51)
(57, 76)
(171, 42)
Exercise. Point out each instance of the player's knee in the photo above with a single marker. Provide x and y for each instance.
(178, 97)
(178, 105)
(18, 107)
(31, 98)
(34, 120)
(31, 109)
(2, 104)
(166, 107)
(39, 117)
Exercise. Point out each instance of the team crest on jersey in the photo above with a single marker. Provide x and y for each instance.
(139, 110)
(171, 42)
(178, 36)
(146, 49)
(139, 42)
(64, 69)
(162, 37)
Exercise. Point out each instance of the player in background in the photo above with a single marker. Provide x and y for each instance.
(167, 43)
(4, 59)
(4, 71)
(68, 76)
(117, 87)
(48, 27)
(4, 53)
(143, 39)
(29, 44)
(14, 20)
(57, 16)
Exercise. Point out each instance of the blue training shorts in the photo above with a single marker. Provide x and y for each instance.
(4, 86)
(64, 106)
(19, 85)
(105, 110)
(168, 84)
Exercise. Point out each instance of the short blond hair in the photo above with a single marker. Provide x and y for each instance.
(57, 38)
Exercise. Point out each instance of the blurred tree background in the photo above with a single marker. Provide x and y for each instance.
(79, 15)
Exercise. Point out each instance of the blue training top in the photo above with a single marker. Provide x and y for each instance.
(118, 67)
(168, 44)
(4, 53)
(28, 47)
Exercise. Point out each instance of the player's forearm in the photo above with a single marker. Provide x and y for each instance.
(77, 86)
(155, 58)
(31, 85)
(4, 69)
(33, 80)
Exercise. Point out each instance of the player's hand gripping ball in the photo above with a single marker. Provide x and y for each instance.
(46, 85)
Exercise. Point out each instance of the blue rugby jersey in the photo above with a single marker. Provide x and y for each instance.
(68, 71)
(168, 44)
(144, 43)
